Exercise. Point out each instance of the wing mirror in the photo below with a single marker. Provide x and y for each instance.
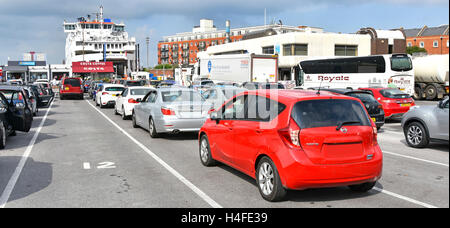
(139, 100)
(213, 115)
(441, 103)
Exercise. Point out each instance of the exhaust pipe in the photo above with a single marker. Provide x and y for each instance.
(176, 131)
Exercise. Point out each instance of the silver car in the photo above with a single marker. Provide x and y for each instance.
(426, 123)
(219, 94)
(171, 110)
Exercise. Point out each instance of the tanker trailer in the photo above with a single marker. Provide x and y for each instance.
(430, 76)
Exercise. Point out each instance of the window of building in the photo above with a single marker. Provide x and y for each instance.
(345, 50)
(422, 44)
(268, 50)
(435, 44)
(409, 44)
(295, 49)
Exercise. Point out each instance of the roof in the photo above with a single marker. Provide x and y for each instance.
(10, 87)
(427, 31)
(140, 87)
(295, 95)
(344, 91)
(113, 85)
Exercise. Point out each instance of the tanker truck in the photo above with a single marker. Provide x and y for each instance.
(430, 76)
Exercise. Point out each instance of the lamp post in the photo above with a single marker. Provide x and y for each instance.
(147, 41)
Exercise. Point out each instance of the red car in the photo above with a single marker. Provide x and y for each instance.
(294, 139)
(71, 87)
(395, 102)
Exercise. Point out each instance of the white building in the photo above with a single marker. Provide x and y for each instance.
(294, 47)
(99, 39)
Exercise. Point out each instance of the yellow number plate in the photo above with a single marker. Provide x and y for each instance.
(405, 105)
(67, 88)
(374, 120)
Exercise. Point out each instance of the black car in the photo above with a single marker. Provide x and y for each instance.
(262, 85)
(15, 114)
(374, 108)
(43, 97)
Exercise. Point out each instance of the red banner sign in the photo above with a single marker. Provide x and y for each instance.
(92, 67)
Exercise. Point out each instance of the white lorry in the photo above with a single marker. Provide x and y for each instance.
(237, 68)
(430, 76)
(182, 76)
(141, 75)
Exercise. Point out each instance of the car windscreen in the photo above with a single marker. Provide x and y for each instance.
(329, 113)
(180, 96)
(138, 92)
(273, 86)
(229, 93)
(364, 97)
(10, 94)
(401, 63)
(114, 89)
(393, 93)
(133, 83)
(207, 83)
(73, 82)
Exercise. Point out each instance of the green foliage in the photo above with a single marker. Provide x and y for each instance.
(414, 49)
(165, 66)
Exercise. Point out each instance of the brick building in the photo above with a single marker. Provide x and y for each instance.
(433, 39)
(182, 48)
(385, 41)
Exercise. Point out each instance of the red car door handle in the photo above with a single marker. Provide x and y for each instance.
(228, 126)
(258, 131)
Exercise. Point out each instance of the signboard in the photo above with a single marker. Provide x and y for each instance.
(27, 63)
(92, 67)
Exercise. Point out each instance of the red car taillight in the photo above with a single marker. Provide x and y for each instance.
(291, 134)
(104, 93)
(132, 101)
(375, 136)
(167, 112)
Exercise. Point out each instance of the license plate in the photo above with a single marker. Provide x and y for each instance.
(67, 88)
(190, 115)
(405, 105)
(374, 120)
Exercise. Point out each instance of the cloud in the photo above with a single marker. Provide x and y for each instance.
(30, 25)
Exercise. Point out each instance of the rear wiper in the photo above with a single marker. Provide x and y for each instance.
(345, 122)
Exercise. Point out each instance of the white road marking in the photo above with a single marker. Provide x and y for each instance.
(404, 198)
(106, 165)
(13, 180)
(86, 165)
(414, 158)
(391, 132)
(194, 188)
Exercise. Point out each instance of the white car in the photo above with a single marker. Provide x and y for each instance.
(107, 94)
(128, 99)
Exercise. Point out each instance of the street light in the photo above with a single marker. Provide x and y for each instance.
(147, 41)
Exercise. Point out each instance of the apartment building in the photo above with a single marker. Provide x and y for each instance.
(182, 48)
(433, 39)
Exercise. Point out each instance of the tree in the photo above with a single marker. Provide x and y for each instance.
(414, 49)
(165, 66)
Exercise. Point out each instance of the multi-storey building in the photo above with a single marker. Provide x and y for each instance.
(433, 39)
(99, 39)
(182, 48)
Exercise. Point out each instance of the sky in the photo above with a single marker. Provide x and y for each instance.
(36, 25)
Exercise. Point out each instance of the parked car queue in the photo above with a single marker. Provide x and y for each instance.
(284, 139)
(18, 104)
